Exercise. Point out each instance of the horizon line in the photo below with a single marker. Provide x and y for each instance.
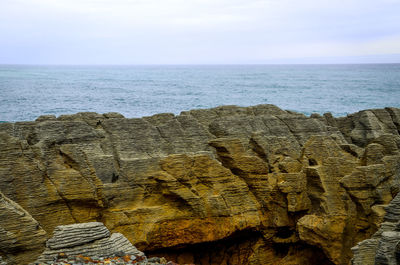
(191, 64)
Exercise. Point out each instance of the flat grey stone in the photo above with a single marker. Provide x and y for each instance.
(77, 234)
(91, 240)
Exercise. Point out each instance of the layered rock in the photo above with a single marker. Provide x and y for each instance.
(21, 237)
(383, 247)
(86, 239)
(256, 185)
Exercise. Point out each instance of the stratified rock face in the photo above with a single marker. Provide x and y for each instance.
(256, 185)
(87, 239)
(21, 237)
(383, 247)
(65, 236)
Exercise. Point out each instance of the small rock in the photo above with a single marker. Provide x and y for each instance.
(2, 262)
(154, 259)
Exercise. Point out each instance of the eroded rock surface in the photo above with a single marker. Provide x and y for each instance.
(255, 185)
(21, 237)
(86, 239)
(383, 247)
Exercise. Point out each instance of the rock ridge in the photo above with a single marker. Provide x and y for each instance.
(310, 187)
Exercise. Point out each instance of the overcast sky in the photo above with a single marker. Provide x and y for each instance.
(198, 31)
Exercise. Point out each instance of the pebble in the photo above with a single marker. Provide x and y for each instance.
(119, 258)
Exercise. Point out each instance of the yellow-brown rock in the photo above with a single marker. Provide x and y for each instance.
(228, 185)
(22, 238)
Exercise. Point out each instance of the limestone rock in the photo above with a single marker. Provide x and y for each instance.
(386, 248)
(393, 210)
(276, 184)
(382, 247)
(77, 234)
(21, 236)
(87, 239)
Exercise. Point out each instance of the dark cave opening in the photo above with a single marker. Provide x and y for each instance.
(243, 247)
(114, 178)
(284, 232)
(312, 162)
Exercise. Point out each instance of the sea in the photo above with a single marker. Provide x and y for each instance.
(28, 91)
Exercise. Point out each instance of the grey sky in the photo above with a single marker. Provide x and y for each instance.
(198, 31)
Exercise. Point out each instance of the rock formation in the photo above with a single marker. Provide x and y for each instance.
(383, 247)
(229, 185)
(87, 239)
(21, 236)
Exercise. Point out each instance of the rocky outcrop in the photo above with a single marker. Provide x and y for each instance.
(383, 247)
(86, 239)
(21, 237)
(228, 185)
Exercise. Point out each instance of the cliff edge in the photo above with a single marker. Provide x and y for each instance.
(229, 185)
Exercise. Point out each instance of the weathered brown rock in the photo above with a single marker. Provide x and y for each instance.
(256, 185)
(21, 237)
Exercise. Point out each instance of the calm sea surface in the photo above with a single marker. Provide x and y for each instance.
(27, 92)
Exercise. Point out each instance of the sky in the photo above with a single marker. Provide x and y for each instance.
(199, 31)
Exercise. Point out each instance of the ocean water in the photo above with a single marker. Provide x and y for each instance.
(27, 92)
